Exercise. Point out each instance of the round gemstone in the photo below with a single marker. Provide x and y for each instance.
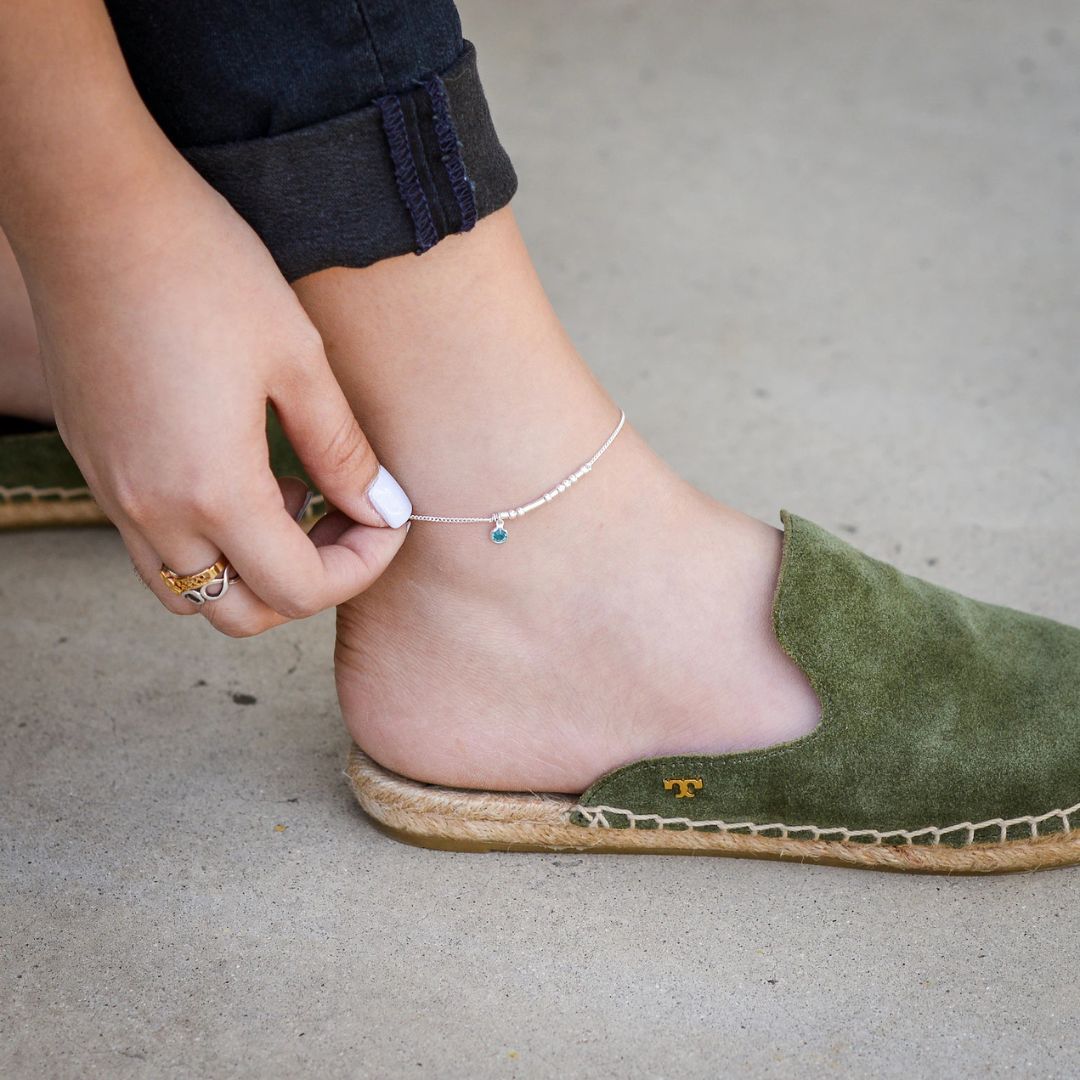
(499, 534)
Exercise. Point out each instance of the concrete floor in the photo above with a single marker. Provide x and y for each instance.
(826, 255)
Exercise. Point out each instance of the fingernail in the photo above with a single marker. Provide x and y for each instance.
(386, 495)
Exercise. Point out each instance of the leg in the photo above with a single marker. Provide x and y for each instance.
(629, 618)
(23, 392)
(323, 122)
(580, 644)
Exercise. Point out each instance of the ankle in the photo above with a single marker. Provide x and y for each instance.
(615, 506)
(629, 616)
(599, 636)
(459, 371)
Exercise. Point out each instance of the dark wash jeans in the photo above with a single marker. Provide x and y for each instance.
(343, 132)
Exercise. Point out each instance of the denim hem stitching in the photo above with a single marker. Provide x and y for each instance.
(450, 147)
(408, 180)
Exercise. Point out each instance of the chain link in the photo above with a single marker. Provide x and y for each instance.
(519, 511)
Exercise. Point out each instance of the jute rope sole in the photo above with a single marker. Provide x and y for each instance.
(30, 508)
(455, 820)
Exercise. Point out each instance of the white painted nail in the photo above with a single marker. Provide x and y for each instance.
(391, 503)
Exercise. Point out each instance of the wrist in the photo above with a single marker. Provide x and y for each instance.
(86, 199)
(109, 222)
(76, 140)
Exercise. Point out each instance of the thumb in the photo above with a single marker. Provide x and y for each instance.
(376, 547)
(318, 422)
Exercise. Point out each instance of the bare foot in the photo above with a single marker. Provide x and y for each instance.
(629, 617)
(23, 392)
(630, 621)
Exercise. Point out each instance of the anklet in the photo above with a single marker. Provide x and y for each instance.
(499, 533)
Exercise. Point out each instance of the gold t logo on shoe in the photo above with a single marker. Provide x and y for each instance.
(686, 788)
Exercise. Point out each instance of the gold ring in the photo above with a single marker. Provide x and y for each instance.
(181, 585)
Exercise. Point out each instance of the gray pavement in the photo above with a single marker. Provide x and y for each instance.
(827, 257)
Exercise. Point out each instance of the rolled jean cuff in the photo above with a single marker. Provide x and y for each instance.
(391, 178)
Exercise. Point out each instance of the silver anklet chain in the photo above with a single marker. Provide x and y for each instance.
(499, 533)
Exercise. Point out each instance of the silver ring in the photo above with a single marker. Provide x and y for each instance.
(214, 589)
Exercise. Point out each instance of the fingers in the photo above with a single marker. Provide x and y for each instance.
(323, 431)
(283, 574)
(239, 612)
(147, 565)
(357, 548)
(293, 576)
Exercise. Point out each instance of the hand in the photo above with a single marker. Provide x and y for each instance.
(165, 330)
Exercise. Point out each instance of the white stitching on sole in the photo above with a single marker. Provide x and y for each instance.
(597, 817)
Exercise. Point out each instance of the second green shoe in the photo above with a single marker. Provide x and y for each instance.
(40, 484)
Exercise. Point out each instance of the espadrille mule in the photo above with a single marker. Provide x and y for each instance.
(40, 484)
(949, 741)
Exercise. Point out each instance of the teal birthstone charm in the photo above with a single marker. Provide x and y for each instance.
(499, 534)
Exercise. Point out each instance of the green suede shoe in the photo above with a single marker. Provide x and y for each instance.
(949, 740)
(40, 484)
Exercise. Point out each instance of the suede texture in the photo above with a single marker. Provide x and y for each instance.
(41, 460)
(936, 710)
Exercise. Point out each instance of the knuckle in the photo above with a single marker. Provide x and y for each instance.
(308, 344)
(347, 449)
(303, 354)
(211, 507)
(295, 609)
(155, 502)
(136, 503)
(234, 624)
